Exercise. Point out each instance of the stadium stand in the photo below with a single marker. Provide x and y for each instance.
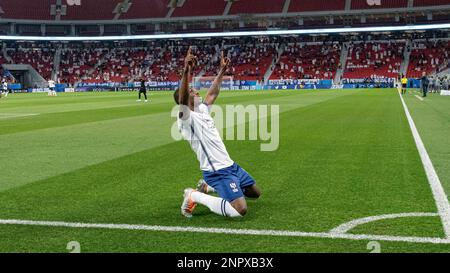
(374, 59)
(363, 4)
(317, 5)
(308, 61)
(200, 8)
(251, 58)
(38, 55)
(428, 57)
(123, 62)
(424, 3)
(150, 9)
(76, 62)
(140, 9)
(257, 6)
(32, 10)
(90, 10)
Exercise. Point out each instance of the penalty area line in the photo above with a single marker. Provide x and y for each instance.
(254, 232)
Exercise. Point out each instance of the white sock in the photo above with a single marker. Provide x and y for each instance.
(209, 189)
(215, 204)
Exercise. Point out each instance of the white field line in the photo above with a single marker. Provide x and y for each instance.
(254, 232)
(15, 115)
(344, 228)
(418, 97)
(439, 195)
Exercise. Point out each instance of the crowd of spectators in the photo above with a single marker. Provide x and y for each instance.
(302, 57)
(374, 59)
(251, 60)
(428, 57)
(38, 55)
(308, 61)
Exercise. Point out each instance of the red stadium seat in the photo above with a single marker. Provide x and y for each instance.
(200, 8)
(89, 9)
(257, 6)
(423, 3)
(32, 10)
(92, 10)
(316, 5)
(364, 4)
(146, 9)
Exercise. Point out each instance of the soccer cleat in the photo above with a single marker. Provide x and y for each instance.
(202, 186)
(138, 100)
(188, 205)
(146, 100)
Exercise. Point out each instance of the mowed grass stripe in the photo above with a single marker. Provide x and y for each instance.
(44, 153)
(314, 182)
(57, 115)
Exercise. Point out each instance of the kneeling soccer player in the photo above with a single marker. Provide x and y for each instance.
(227, 178)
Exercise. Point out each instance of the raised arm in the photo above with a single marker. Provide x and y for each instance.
(184, 85)
(213, 92)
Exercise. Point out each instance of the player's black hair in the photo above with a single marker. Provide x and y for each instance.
(176, 96)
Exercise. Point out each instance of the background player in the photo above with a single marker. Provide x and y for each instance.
(142, 90)
(51, 88)
(228, 179)
(4, 88)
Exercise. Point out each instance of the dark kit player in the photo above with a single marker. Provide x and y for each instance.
(425, 83)
(142, 90)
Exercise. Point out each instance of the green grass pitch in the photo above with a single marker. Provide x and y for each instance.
(105, 158)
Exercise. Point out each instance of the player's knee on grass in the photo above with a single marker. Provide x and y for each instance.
(252, 192)
(240, 206)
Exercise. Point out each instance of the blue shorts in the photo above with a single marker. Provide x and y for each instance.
(229, 183)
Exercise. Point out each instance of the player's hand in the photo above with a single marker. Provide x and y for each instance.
(190, 59)
(224, 62)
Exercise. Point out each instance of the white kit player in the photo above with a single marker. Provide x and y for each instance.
(4, 88)
(51, 88)
(220, 173)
